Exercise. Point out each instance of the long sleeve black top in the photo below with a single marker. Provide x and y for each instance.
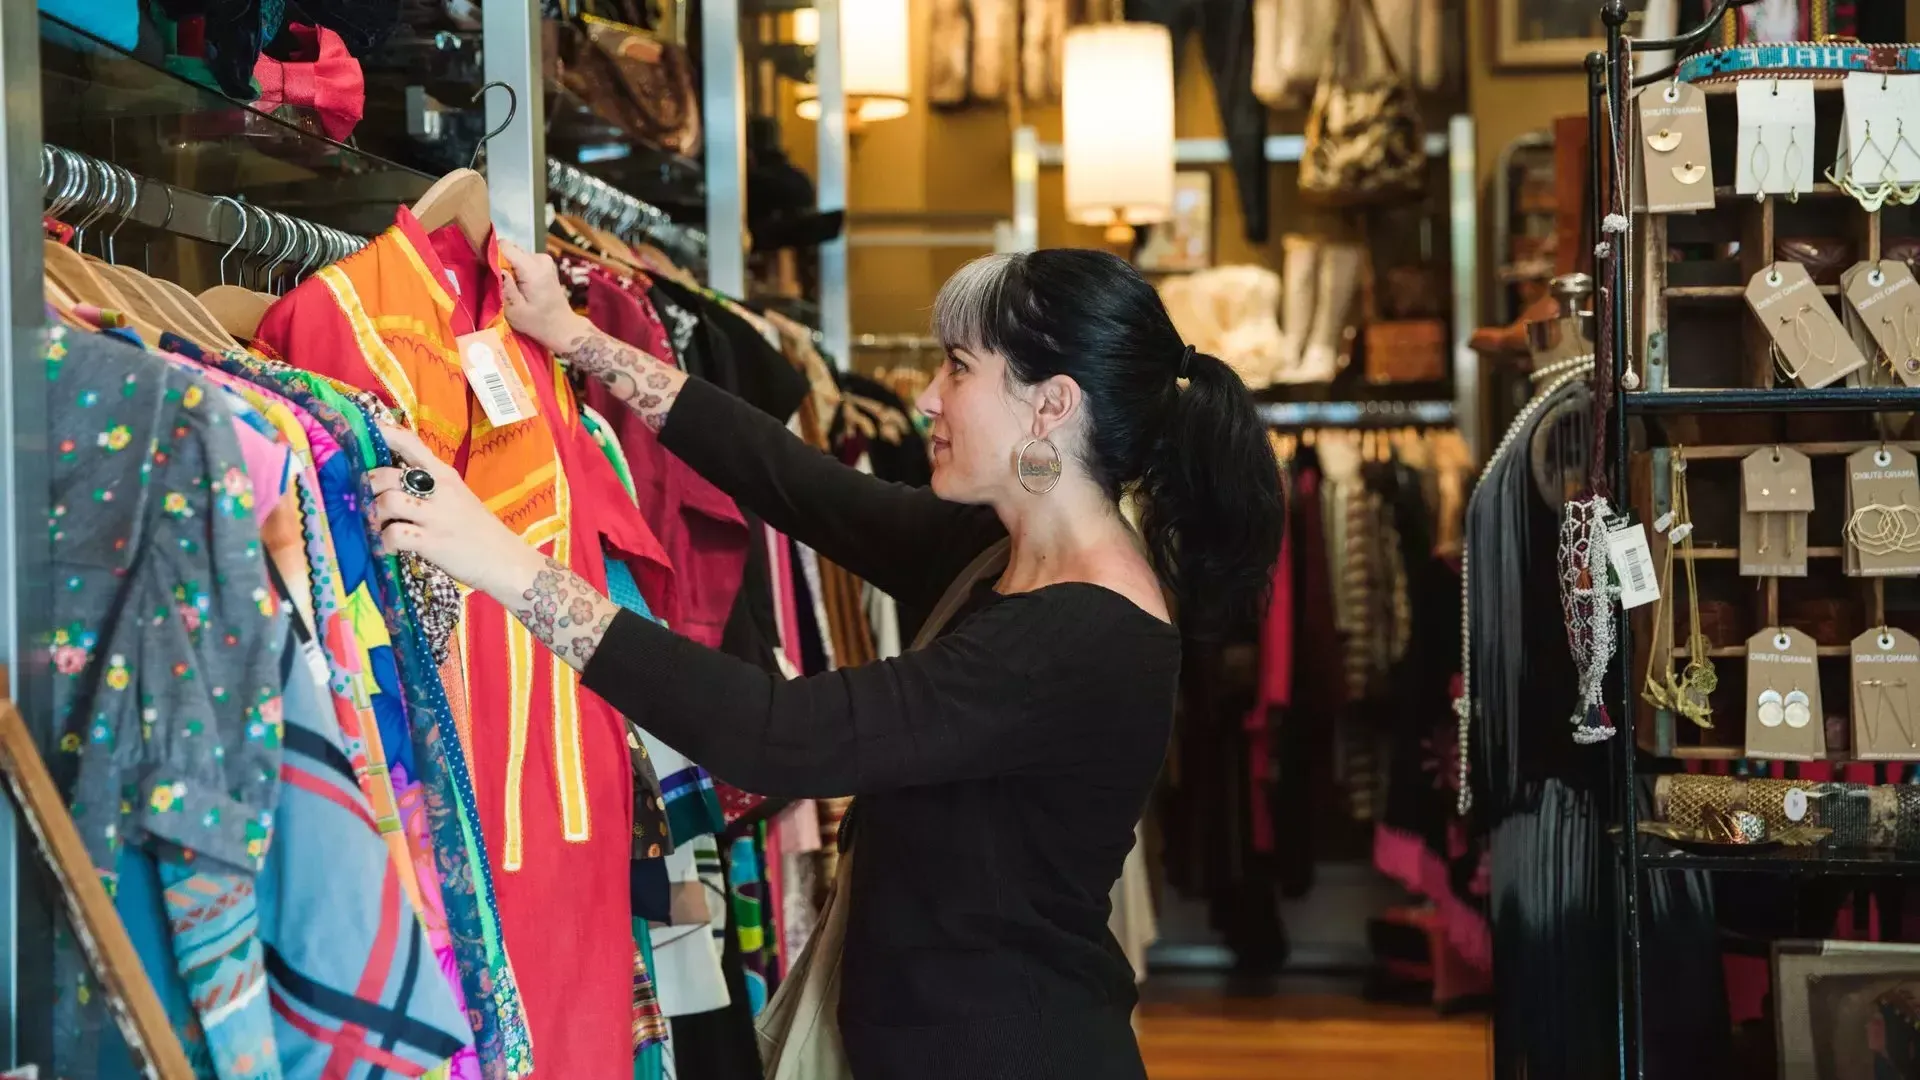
(1000, 769)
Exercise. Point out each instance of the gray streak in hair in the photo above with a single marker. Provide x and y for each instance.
(969, 305)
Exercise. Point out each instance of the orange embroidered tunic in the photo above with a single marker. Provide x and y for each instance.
(549, 759)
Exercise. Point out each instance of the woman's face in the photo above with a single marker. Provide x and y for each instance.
(978, 425)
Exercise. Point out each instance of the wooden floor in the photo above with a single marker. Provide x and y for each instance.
(1205, 1033)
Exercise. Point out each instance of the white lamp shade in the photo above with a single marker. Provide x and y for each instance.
(874, 71)
(1118, 112)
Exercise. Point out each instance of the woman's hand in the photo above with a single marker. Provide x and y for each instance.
(450, 528)
(455, 531)
(535, 302)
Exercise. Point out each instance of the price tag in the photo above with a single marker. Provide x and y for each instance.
(483, 356)
(1632, 562)
(1796, 804)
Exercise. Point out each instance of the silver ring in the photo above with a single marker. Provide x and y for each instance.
(418, 483)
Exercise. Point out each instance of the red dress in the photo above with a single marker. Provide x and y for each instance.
(550, 762)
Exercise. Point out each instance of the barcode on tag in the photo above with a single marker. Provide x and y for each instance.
(1632, 563)
(490, 384)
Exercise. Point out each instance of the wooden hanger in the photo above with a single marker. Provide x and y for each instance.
(238, 311)
(138, 303)
(195, 312)
(458, 198)
(77, 276)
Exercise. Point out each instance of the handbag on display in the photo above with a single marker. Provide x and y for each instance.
(1401, 341)
(629, 77)
(1365, 139)
(799, 1031)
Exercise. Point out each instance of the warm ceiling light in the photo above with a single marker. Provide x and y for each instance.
(874, 71)
(1118, 114)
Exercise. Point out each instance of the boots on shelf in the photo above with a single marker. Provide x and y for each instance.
(1299, 283)
(1336, 282)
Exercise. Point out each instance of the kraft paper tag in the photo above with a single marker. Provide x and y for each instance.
(1784, 718)
(1776, 495)
(1885, 300)
(491, 374)
(1883, 500)
(1811, 345)
(1676, 162)
(1886, 686)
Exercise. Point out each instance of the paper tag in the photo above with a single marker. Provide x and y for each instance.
(1774, 153)
(1794, 803)
(1811, 345)
(1776, 478)
(490, 372)
(1872, 151)
(1883, 504)
(1886, 687)
(1676, 159)
(1886, 302)
(1632, 562)
(1773, 545)
(1784, 717)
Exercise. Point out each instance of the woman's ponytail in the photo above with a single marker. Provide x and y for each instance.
(1213, 509)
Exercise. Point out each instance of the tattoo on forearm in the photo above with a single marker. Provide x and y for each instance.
(568, 615)
(647, 385)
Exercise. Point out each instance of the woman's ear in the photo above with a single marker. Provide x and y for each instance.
(1056, 401)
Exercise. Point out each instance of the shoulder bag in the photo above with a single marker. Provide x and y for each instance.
(800, 1031)
(1365, 139)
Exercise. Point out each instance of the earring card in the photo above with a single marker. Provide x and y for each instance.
(1785, 662)
(1774, 155)
(1885, 676)
(1885, 299)
(1812, 345)
(1676, 161)
(1883, 512)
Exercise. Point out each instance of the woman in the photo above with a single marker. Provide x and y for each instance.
(1002, 767)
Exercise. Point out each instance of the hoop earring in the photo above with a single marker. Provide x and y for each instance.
(1038, 477)
(1760, 165)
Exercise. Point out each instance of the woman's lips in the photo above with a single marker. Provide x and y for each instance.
(940, 444)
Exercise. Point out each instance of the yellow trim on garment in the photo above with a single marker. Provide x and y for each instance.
(519, 707)
(569, 756)
(373, 348)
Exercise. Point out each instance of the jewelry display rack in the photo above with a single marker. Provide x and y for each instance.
(1677, 390)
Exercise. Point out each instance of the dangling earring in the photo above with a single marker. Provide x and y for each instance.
(1771, 711)
(1038, 475)
(1798, 712)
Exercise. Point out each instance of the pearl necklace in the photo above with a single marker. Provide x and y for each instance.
(1556, 376)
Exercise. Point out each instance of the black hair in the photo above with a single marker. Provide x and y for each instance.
(1196, 455)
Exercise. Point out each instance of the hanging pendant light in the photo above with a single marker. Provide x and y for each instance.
(1118, 111)
(874, 69)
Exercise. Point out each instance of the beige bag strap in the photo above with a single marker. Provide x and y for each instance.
(991, 561)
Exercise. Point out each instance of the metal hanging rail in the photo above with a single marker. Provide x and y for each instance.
(1357, 414)
(620, 213)
(103, 196)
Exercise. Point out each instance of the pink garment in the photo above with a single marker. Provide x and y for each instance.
(1274, 691)
(704, 535)
(785, 599)
(464, 1065)
(268, 463)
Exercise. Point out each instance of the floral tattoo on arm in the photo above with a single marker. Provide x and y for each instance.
(648, 386)
(568, 615)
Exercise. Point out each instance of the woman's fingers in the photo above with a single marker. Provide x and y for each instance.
(381, 481)
(408, 447)
(401, 536)
(510, 291)
(397, 505)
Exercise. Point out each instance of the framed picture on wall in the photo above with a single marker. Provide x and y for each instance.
(1846, 1009)
(1185, 242)
(1548, 33)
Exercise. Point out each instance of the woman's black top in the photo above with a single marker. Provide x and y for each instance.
(1000, 769)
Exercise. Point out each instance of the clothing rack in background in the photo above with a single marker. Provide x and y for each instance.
(624, 215)
(1357, 414)
(108, 196)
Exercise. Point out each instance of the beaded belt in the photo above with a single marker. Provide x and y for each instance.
(1798, 60)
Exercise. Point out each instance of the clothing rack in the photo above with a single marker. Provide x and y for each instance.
(618, 212)
(1357, 414)
(108, 196)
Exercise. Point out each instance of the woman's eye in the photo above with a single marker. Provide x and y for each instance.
(956, 365)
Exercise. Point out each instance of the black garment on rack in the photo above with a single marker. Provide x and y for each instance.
(721, 1044)
(1226, 35)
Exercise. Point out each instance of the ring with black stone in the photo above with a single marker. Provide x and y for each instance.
(418, 483)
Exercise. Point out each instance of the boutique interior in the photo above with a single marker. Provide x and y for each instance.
(1487, 789)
